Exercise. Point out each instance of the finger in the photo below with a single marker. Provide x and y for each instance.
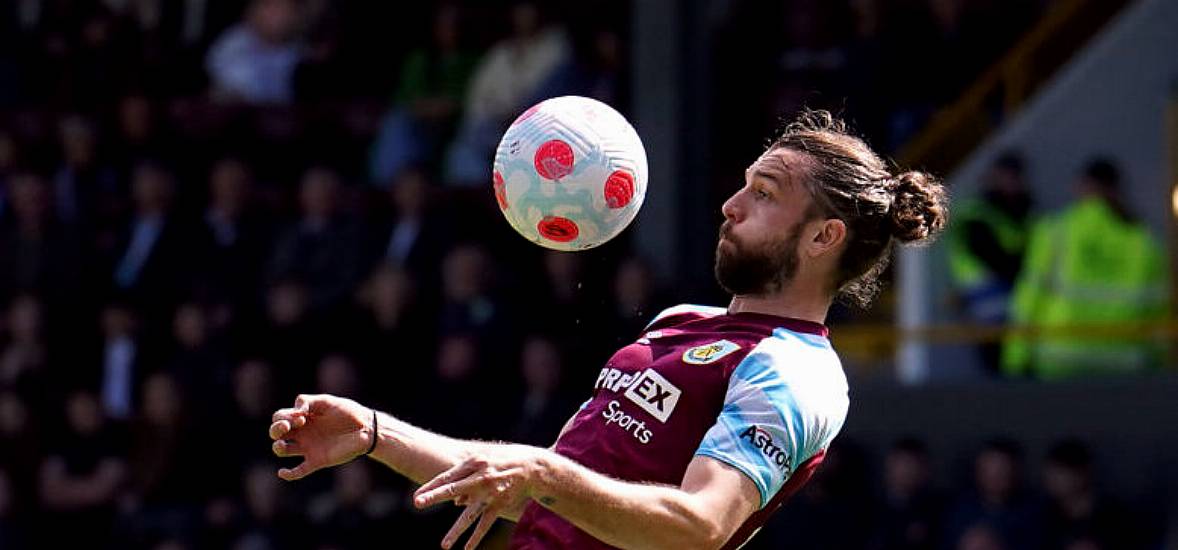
(292, 415)
(279, 429)
(303, 402)
(458, 471)
(298, 472)
(485, 522)
(449, 491)
(286, 447)
(469, 514)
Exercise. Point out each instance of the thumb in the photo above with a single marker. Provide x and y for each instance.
(304, 469)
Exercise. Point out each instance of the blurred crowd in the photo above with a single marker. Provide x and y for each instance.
(209, 207)
(1002, 500)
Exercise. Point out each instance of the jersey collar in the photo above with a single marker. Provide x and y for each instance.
(788, 323)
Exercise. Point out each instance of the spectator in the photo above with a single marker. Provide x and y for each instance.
(287, 338)
(569, 300)
(987, 240)
(8, 167)
(251, 402)
(1076, 516)
(337, 375)
(86, 191)
(998, 501)
(138, 133)
(592, 68)
(150, 266)
(268, 522)
(635, 300)
(354, 512)
(813, 57)
(502, 82)
(121, 361)
(545, 405)
(910, 514)
(254, 60)
(236, 236)
(1091, 264)
(81, 478)
(19, 438)
(469, 303)
(11, 531)
(23, 358)
(417, 235)
(460, 375)
(980, 537)
(40, 254)
(167, 447)
(197, 363)
(428, 101)
(832, 511)
(393, 338)
(321, 249)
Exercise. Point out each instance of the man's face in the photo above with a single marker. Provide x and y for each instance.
(758, 248)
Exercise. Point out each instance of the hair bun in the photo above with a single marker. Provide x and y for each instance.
(919, 207)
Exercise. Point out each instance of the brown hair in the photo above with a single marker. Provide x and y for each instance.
(879, 205)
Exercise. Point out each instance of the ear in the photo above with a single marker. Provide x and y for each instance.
(825, 236)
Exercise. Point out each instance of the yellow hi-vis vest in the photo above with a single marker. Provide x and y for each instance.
(970, 272)
(1087, 265)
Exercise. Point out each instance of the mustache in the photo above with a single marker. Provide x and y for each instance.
(726, 232)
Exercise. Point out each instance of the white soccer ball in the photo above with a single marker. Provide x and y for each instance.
(570, 173)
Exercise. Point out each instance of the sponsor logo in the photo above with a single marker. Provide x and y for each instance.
(614, 414)
(762, 440)
(654, 394)
(709, 353)
(647, 389)
(613, 379)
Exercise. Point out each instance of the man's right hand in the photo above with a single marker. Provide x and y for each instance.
(323, 429)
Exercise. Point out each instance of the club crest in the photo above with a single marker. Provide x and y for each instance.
(709, 353)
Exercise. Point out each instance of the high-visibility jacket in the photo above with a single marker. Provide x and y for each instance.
(985, 294)
(1087, 265)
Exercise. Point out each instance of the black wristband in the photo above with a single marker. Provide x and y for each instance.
(375, 435)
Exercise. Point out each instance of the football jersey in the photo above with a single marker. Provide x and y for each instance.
(761, 393)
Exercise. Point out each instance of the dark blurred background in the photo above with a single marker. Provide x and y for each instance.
(207, 207)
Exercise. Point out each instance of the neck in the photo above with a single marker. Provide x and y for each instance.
(795, 300)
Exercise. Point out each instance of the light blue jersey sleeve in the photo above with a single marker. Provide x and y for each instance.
(785, 401)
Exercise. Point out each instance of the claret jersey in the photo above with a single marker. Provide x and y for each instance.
(763, 394)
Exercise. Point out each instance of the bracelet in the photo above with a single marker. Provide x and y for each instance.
(372, 444)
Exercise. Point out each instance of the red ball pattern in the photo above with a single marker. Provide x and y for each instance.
(500, 191)
(619, 189)
(556, 228)
(554, 159)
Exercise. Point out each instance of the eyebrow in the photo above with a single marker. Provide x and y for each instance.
(778, 174)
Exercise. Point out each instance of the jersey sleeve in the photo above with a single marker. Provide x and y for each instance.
(773, 421)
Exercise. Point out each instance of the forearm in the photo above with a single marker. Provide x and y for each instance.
(416, 453)
(623, 514)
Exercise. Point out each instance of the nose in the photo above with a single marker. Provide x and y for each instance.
(731, 209)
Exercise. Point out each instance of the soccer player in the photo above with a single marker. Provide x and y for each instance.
(698, 431)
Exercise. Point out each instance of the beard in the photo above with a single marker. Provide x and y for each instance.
(752, 271)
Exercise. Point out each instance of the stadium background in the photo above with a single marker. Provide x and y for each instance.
(207, 207)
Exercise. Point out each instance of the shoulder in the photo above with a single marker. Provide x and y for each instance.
(804, 364)
(683, 313)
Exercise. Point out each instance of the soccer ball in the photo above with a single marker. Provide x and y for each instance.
(570, 173)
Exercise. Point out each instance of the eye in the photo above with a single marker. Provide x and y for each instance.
(761, 193)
